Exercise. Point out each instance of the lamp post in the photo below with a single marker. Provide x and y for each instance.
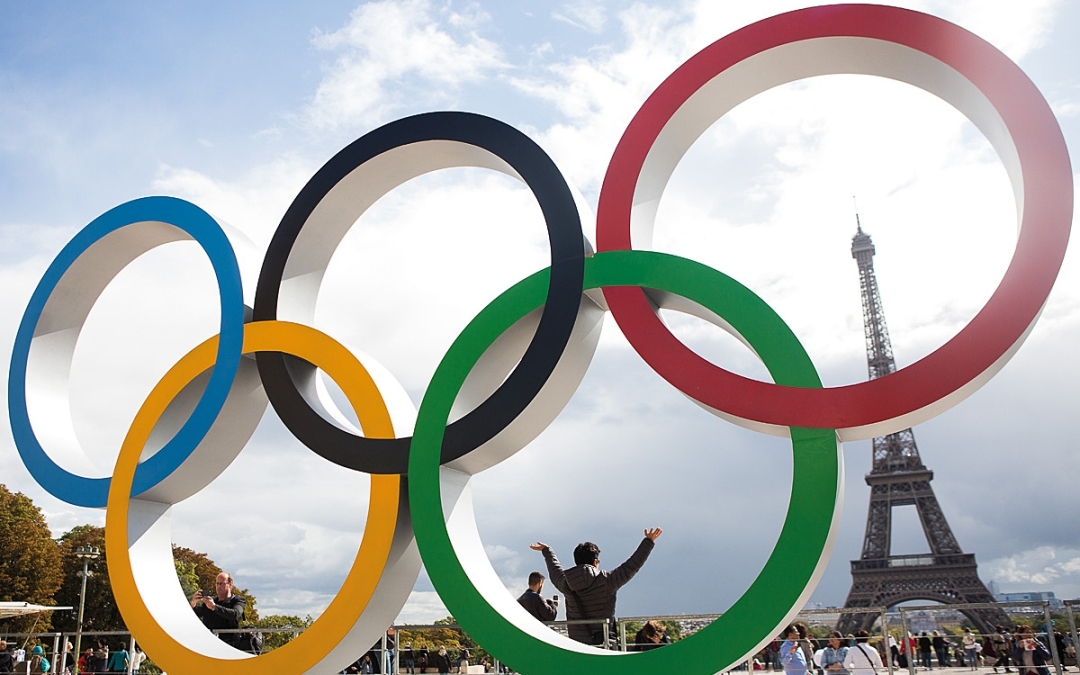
(86, 554)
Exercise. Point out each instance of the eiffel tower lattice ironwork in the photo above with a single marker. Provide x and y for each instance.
(898, 478)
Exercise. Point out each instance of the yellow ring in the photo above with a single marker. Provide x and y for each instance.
(309, 648)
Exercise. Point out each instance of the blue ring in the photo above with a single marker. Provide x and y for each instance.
(185, 216)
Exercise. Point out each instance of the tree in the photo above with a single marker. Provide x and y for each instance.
(100, 610)
(274, 639)
(29, 560)
(189, 580)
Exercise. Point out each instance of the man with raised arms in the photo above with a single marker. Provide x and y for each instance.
(590, 592)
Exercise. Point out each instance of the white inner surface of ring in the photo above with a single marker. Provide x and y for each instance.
(48, 366)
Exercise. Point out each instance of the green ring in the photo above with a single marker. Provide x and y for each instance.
(796, 561)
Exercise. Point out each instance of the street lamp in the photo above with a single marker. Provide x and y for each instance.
(86, 554)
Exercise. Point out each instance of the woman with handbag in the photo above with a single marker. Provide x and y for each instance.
(1030, 655)
(862, 659)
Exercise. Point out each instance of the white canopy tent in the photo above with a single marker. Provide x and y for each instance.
(10, 609)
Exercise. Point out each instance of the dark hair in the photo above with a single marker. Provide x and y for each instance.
(791, 628)
(585, 553)
(535, 578)
(123, 645)
(801, 627)
(862, 636)
(836, 634)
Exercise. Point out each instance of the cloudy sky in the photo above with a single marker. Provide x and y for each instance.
(235, 106)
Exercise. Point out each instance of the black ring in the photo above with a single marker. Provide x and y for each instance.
(286, 378)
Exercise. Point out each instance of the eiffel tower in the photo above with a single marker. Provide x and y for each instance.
(899, 478)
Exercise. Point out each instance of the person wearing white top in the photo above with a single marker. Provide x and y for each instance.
(862, 659)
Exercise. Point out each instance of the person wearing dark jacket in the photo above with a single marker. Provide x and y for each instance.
(534, 603)
(591, 592)
(1029, 654)
(221, 610)
(7, 661)
(442, 661)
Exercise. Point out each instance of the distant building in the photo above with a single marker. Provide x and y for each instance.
(921, 621)
(1034, 596)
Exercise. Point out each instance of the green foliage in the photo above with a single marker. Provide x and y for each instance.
(274, 639)
(189, 580)
(30, 568)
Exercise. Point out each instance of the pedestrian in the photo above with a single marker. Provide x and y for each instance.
(534, 603)
(941, 650)
(118, 659)
(1029, 653)
(220, 610)
(7, 661)
(924, 650)
(791, 654)
(86, 660)
(38, 663)
(970, 645)
(833, 655)
(388, 654)
(650, 636)
(422, 658)
(442, 661)
(100, 658)
(805, 644)
(862, 659)
(1003, 645)
(137, 658)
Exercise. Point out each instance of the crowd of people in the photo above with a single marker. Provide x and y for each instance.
(97, 658)
(796, 652)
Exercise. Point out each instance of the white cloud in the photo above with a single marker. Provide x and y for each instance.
(1014, 28)
(390, 53)
(597, 94)
(253, 203)
(589, 16)
(423, 608)
(1037, 567)
(1071, 566)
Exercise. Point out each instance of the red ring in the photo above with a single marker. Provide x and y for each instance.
(955, 369)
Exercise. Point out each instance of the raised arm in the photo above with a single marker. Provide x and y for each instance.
(555, 570)
(626, 571)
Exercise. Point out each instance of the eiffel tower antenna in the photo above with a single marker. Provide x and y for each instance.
(899, 478)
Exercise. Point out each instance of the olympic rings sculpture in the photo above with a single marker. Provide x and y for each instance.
(517, 363)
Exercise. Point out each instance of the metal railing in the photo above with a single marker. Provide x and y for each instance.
(1045, 605)
(59, 639)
